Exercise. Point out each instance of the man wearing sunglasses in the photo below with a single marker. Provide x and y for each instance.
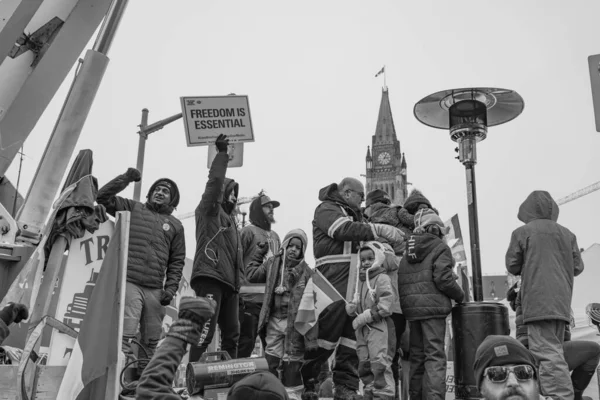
(505, 369)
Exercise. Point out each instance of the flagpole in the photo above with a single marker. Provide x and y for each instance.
(384, 78)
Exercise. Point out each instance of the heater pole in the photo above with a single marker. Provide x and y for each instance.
(474, 232)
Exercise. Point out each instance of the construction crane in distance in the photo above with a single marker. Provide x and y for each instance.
(580, 193)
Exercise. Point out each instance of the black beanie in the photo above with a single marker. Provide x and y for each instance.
(414, 199)
(377, 196)
(172, 187)
(498, 350)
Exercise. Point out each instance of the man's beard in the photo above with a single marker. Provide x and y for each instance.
(271, 218)
(515, 391)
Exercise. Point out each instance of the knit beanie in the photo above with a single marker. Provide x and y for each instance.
(258, 386)
(425, 217)
(172, 188)
(377, 196)
(498, 350)
(414, 199)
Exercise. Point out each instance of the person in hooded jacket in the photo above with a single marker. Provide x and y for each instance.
(253, 294)
(546, 256)
(286, 275)
(426, 285)
(155, 259)
(371, 308)
(338, 229)
(218, 259)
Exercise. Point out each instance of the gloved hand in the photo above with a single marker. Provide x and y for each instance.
(194, 312)
(262, 249)
(222, 143)
(4, 225)
(350, 309)
(14, 312)
(388, 233)
(133, 175)
(165, 298)
(363, 318)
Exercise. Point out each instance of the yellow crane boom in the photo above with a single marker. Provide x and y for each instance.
(580, 193)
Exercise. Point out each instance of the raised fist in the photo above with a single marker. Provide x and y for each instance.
(133, 175)
(222, 143)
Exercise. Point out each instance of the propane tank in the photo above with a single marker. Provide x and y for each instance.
(217, 370)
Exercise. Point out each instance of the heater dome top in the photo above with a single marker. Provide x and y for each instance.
(502, 105)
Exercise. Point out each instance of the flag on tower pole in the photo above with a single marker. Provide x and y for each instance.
(92, 372)
(381, 71)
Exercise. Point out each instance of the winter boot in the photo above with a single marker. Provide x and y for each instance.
(342, 392)
(310, 392)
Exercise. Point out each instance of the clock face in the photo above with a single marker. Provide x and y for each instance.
(384, 158)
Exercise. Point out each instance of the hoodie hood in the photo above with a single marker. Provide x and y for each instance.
(167, 209)
(419, 246)
(377, 267)
(295, 233)
(257, 215)
(229, 185)
(331, 193)
(538, 205)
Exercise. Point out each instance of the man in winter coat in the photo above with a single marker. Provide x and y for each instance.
(547, 257)
(426, 285)
(286, 275)
(338, 228)
(218, 259)
(258, 231)
(155, 260)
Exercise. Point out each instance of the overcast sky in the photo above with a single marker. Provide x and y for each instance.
(308, 69)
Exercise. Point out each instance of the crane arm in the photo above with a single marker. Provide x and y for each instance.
(580, 193)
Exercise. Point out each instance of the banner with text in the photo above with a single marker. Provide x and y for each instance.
(81, 272)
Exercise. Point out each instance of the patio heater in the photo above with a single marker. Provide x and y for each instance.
(467, 113)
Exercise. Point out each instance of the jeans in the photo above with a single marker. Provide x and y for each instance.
(226, 315)
(582, 357)
(143, 309)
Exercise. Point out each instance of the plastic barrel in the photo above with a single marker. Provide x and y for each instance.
(217, 370)
(471, 324)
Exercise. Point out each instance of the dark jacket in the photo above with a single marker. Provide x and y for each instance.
(515, 300)
(425, 280)
(336, 223)
(156, 237)
(547, 257)
(218, 244)
(259, 231)
(398, 216)
(270, 272)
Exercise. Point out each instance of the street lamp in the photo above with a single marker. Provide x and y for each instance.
(144, 131)
(467, 113)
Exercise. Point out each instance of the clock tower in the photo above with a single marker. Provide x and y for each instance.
(386, 165)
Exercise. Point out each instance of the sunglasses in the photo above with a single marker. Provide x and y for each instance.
(361, 194)
(500, 374)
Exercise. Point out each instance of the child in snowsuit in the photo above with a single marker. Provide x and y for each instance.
(426, 284)
(372, 305)
(286, 275)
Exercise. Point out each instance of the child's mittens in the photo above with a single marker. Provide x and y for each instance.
(350, 308)
(363, 318)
